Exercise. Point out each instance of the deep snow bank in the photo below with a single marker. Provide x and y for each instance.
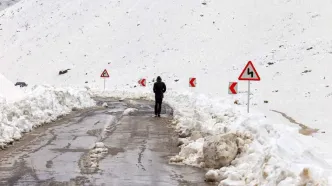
(271, 153)
(42, 105)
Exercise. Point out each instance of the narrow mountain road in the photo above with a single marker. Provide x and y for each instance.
(134, 149)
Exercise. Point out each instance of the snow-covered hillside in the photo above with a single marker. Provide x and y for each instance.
(6, 3)
(289, 42)
(8, 91)
(177, 40)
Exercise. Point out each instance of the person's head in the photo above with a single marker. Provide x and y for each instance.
(158, 79)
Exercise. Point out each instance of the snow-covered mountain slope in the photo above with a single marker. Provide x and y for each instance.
(177, 40)
(8, 91)
(289, 42)
(7, 3)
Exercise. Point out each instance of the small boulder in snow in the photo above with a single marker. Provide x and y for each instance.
(105, 105)
(128, 111)
(182, 141)
(21, 84)
(212, 176)
(184, 133)
(2, 146)
(220, 150)
(63, 71)
(176, 159)
(99, 145)
(94, 165)
(306, 178)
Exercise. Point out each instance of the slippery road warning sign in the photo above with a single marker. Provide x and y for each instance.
(249, 73)
(105, 74)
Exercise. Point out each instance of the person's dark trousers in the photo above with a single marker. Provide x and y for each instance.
(157, 108)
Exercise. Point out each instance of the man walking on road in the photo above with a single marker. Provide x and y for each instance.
(159, 88)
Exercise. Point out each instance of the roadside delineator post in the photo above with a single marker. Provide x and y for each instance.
(232, 88)
(192, 82)
(142, 82)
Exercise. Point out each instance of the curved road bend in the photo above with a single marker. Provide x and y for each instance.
(139, 147)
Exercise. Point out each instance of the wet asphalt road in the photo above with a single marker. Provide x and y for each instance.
(138, 144)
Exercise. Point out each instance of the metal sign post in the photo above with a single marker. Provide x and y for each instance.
(105, 75)
(248, 96)
(249, 73)
(104, 83)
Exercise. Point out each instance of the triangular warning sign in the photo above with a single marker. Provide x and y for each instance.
(249, 73)
(104, 74)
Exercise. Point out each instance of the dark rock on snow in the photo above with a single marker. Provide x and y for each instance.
(21, 84)
(63, 71)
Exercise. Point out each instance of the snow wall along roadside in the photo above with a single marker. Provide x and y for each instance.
(42, 105)
(268, 153)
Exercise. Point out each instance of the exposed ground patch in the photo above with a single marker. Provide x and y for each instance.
(305, 130)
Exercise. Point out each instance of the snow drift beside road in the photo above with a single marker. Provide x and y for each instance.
(44, 104)
(276, 155)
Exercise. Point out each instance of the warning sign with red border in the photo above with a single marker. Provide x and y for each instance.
(249, 73)
(105, 74)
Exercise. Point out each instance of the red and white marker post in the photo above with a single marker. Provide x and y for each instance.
(232, 88)
(104, 75)
(192, 82)
(249, 73)
(142, 82)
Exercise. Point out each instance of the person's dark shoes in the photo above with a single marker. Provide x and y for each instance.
(159, 115)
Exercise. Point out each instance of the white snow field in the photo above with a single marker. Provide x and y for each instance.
(8, 92)
(289, 42)
(6, 3)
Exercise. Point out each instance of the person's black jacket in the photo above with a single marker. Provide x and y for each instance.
(159, 88)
